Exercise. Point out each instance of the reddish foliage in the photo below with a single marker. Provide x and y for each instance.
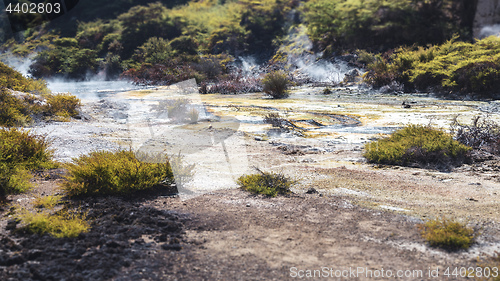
(235, 86)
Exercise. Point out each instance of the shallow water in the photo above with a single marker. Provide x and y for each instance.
(128, 116)
(92, 90)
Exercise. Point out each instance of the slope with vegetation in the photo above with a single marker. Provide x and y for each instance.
(22, 99)
(20, 153)
(169, 41)
(380, 25)
(452, 67)
(154, 35)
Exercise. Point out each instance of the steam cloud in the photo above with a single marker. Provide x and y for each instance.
(489, 30)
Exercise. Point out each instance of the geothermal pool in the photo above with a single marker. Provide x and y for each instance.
(126, 116)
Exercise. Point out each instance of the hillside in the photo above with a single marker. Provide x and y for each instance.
(157, 42)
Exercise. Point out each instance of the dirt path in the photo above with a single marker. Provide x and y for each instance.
(233, 235)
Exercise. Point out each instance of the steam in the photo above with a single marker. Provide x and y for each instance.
(21, 65)
(93, 90)
(249, 67)
(307, 64)
(322, 70)
(489, 30)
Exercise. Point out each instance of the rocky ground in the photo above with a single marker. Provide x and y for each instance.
(233, 235)
(358, 217)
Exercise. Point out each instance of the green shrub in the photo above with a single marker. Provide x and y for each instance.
(20, 147)
(64, 105)
(20, 152)
(143, 22)
(276, 84)
(270, 184)
(66, 62)
(417, 145)
(18, 109)
(63, 223)
(155, 50)
(120, 172)
(13, 180)
(447, 234)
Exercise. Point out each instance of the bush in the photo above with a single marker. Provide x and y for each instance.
(155, 50)
(63, 223)
(64, 105)
(417, 145)
(270, 184)
(447, 234)
(20, 147)
(13, 180)
(276, 120)
(276, 84)
(66, 62)
(20, 152)
(172, 71)
(120, 172)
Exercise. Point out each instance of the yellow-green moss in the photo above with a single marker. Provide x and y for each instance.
(47, 202)
(63, 223)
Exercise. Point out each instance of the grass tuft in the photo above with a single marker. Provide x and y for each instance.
(63, 223)
(447, 234)
(194, 115)
(47, 202)
(107, 173)
(270, 184)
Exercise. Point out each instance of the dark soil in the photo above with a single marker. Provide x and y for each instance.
(122, 232)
